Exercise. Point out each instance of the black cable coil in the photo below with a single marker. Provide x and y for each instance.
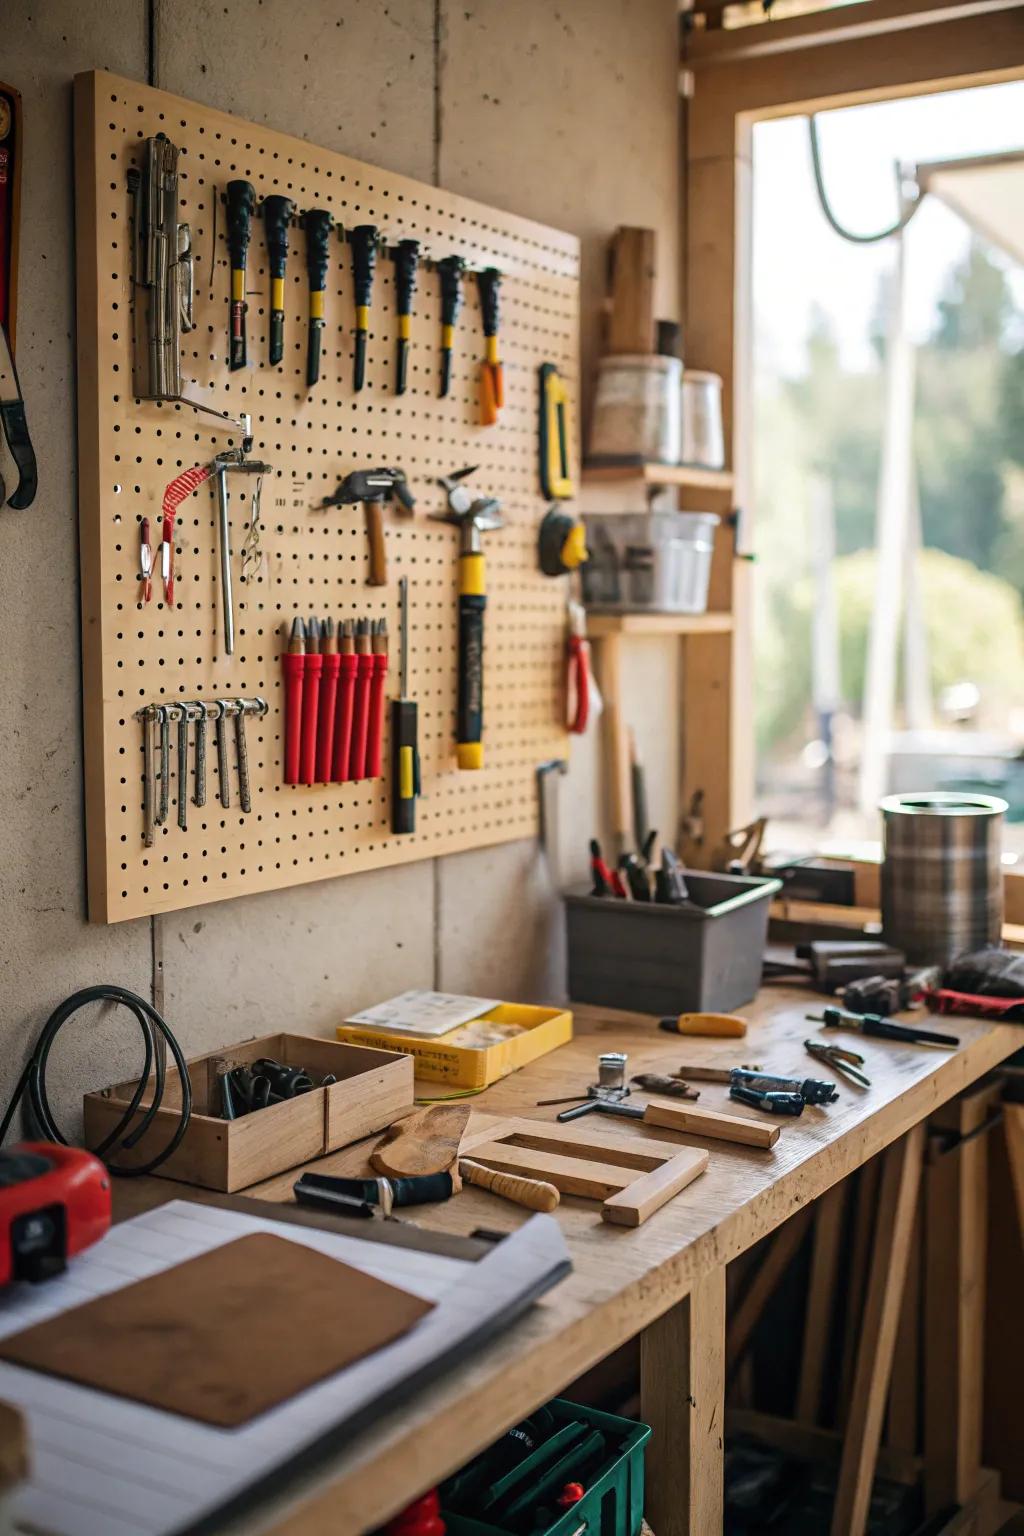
(33, 1080)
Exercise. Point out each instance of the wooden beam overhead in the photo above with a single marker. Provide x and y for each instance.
(845, 24)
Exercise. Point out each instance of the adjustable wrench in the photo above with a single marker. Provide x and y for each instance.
(243, 707)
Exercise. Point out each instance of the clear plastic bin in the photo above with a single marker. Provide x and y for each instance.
(649, 560)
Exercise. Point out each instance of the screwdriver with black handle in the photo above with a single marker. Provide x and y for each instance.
(364, 240)
(241, 197)
(407, 259)
(405, 752)
(492, 380)
(277, 216)
(450, 270)
(318, 225)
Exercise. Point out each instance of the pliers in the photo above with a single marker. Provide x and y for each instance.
(579, 685)
(845, 1062)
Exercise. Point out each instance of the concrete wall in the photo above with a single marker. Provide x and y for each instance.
(565, 113)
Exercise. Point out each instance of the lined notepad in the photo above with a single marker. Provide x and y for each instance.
(106, 1466)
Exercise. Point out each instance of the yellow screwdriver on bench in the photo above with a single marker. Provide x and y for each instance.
(728, 1025)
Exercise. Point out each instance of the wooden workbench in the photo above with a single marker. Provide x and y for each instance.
(664, 1281)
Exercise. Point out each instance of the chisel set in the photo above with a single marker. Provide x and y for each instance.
(334, 700)
(157, 722)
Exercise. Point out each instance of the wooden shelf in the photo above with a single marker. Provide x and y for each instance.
(601, 625)
(659, 474)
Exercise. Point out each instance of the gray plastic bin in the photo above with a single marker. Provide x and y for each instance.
(657, 959)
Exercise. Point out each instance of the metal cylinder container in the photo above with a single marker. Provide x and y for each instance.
(942, 878)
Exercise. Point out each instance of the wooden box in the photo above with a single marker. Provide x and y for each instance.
(374, 1087)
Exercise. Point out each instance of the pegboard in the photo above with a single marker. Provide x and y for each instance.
(316, 561)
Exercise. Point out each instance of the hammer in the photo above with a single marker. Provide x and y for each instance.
(373, 487)
(472, 518)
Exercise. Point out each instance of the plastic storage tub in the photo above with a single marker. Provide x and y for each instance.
(613, 1504)
(659, 561)
(649, 958)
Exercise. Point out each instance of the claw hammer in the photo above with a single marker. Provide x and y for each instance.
(472, 517)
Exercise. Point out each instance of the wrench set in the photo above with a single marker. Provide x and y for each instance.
(157, 723)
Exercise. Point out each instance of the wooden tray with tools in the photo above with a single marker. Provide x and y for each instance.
(372, 1089)
(632, 1176)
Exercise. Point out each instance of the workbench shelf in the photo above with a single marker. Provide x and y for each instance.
(602, 625)
(659, 475)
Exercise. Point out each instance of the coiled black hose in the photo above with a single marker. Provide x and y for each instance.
(33, 1080)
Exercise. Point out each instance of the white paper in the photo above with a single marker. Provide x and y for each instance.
(423, 1013)
(105, 1466)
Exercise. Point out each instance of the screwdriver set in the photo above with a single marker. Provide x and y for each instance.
(321, 341)
(334, 678)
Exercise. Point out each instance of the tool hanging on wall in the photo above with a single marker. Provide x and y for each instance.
(561, 542)
(406, 256)
(555, 436)
(345, 708)
(373, 487)
(318, 224)
(449, 270)
(579, 679)
(472, 517)
(293, 663)
(145, 562)
(405, 754)
(331, 666)
(163, 279)
(311, 702)
(10, 198)
(361, 700)
(241, 199)
(375, 726)
(278, 213)
(158, 718)
(492, 378)
(12, 405)
(364, 240)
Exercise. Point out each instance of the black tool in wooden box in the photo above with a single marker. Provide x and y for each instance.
(277, 216)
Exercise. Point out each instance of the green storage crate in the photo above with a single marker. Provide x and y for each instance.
(613, 1504)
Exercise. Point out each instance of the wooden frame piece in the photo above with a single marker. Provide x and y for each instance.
(632, 1178)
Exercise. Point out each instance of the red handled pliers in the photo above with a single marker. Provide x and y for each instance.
(579, 669)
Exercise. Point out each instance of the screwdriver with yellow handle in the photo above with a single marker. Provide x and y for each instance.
(405, 752)
(492, 378)
(725, 1025)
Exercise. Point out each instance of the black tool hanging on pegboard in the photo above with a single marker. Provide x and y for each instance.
(12, 405)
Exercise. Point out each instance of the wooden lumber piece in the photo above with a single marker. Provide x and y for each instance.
(631, 283)
(652, 1190)
(695, 1121)
(422, 1143)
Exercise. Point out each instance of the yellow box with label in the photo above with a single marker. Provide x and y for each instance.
(441, 1061)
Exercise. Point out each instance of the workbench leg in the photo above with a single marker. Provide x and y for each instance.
(781, 1250)
(1013, 1124)
(900, 1182)
(829, 1212)
(956, 1204)
(682, 1398)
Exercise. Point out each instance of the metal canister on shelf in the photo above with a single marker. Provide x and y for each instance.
(942, 879)
(637, 409)
(703, 443)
